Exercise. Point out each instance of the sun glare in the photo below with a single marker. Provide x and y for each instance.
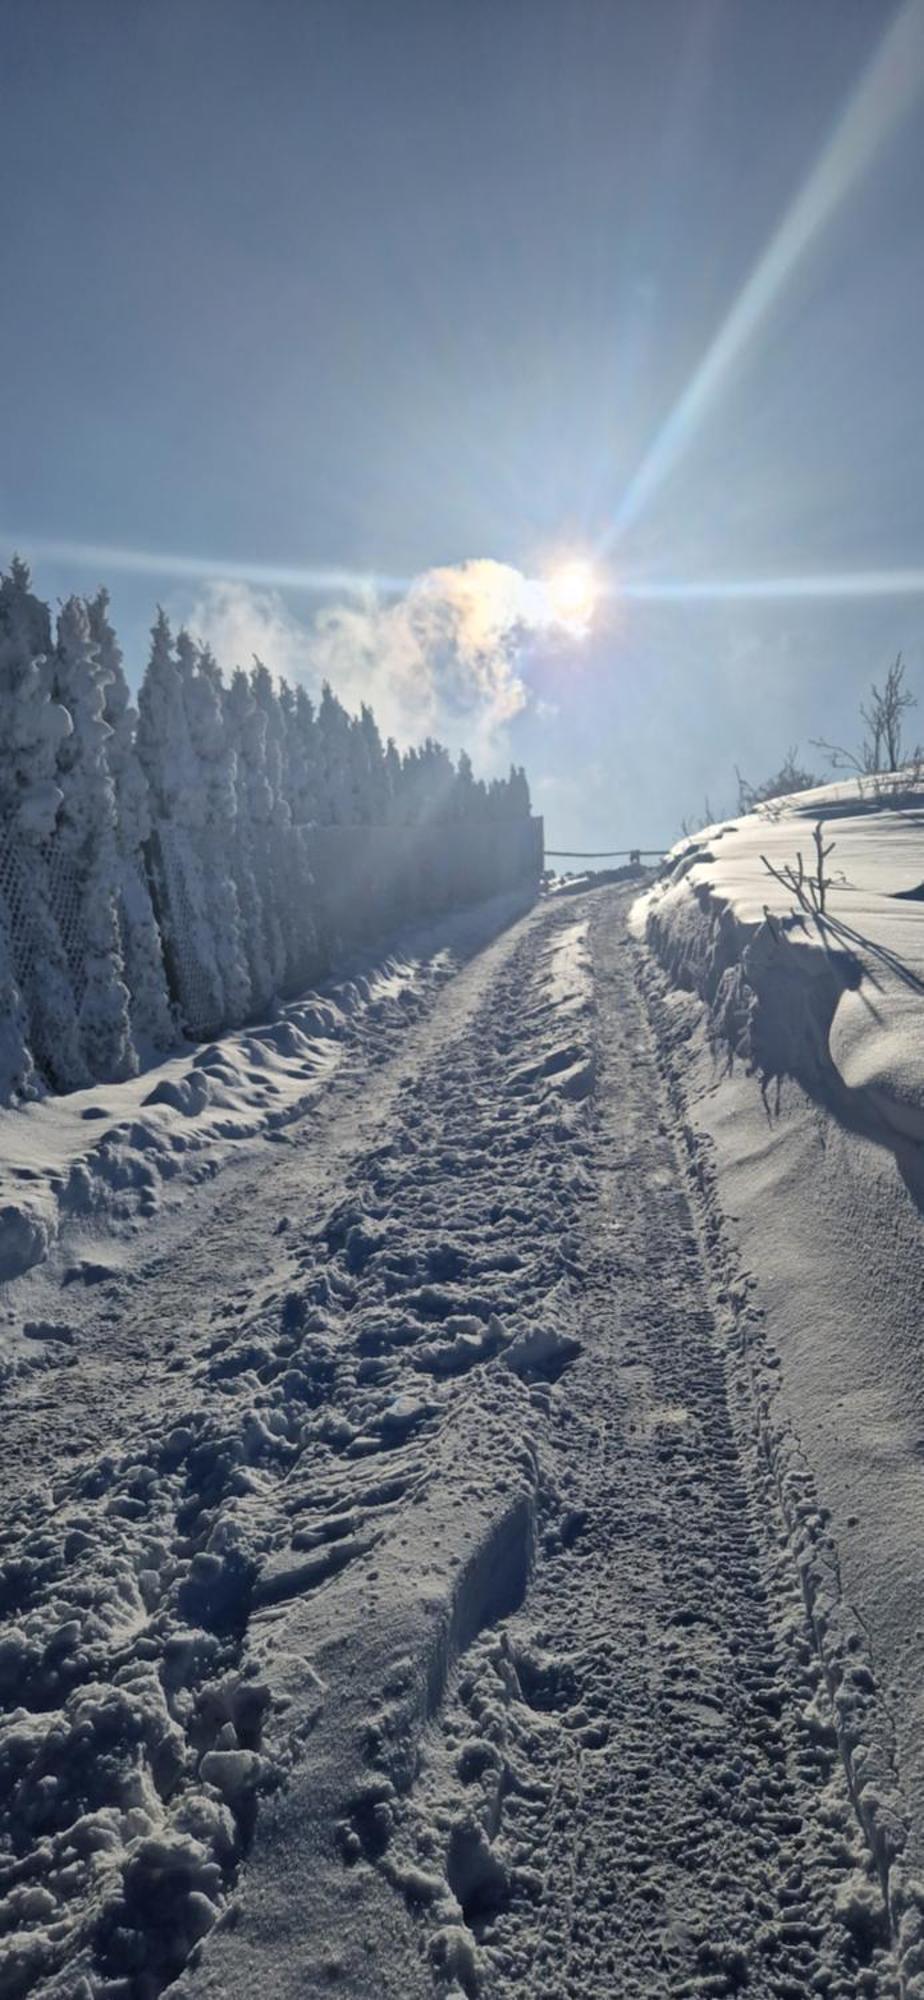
(572, 591)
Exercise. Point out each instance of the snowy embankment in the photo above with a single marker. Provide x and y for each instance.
(794, 1050)
(835, 1000)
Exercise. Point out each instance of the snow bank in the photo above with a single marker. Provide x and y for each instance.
(834, 999)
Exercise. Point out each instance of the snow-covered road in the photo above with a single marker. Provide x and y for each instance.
(404, 1573)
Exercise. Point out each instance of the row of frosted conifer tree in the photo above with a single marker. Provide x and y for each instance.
(85, 777)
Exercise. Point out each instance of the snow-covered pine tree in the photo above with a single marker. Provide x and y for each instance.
(32, 729)
(292, 777)
(274, 746)
(520, 801)
(300, 788)
(86, 834)
(32, 724)
(335, 760)
(248, 735)
(172, 770)
(216, 820)
(370, 777)
(434, 780)
(17, 1071)
(394, 783)
(410, 787)
(463, 794)
(152, 1019)
(273, 850)
(246, 729)
(209, 666)
(300, 773)
(163, 741)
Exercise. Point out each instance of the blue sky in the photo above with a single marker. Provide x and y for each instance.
(389, 286)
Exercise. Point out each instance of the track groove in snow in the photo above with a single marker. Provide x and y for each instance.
(439, 1631)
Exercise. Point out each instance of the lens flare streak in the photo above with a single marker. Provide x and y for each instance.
(315, 582)
(730, 590)
(886, 93)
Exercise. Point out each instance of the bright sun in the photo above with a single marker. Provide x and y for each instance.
(572, 592)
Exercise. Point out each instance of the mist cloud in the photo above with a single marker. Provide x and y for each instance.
(443, 660)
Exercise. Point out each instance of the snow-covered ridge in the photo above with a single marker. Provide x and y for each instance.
(835, 998)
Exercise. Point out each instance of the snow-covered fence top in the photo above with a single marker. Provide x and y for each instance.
(182, 866)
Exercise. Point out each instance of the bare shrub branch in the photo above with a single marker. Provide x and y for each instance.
(810, 890)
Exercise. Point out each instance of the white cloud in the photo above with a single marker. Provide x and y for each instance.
(441, 660)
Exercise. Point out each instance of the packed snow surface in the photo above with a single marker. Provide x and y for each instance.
(412, 1582)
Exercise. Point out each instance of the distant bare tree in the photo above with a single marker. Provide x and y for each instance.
(881, 749)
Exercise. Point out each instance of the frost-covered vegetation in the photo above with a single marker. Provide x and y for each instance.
(154, 870)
